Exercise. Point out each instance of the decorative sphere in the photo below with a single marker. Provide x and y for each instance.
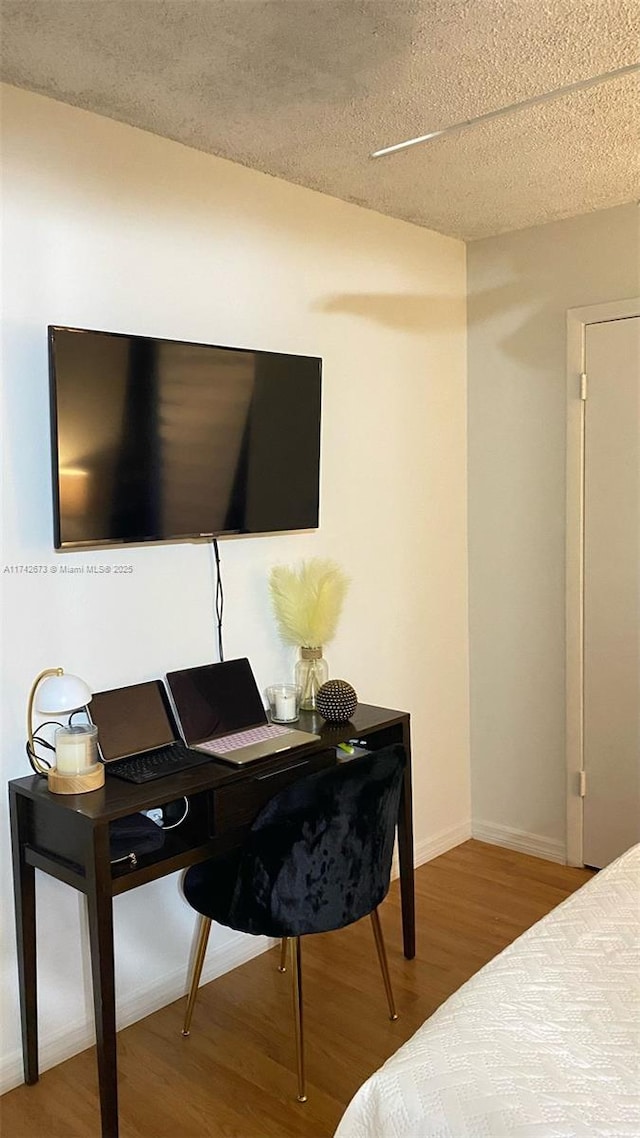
(336, 701)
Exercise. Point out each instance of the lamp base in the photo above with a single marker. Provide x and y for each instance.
(76, 783)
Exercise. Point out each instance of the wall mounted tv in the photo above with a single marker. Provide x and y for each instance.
(154, 440)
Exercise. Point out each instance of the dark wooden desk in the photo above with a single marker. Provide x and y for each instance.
(67, 837)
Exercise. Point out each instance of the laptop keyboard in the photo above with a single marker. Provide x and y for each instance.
(155, 764)
(239, 739)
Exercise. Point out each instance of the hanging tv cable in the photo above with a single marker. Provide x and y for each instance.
(219, 597)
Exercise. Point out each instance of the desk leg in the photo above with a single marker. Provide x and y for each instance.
(24, 889)
(405, 856)
(100, 911)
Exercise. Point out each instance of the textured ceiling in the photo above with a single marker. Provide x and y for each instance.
(306, 89)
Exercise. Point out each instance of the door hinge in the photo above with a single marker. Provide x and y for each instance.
(583, 784)
(583, 386)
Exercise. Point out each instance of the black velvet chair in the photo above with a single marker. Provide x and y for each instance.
(317, 858)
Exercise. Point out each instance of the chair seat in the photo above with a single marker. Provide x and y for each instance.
(209, 886)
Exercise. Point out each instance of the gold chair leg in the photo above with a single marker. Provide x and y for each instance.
(296, 972)
(282, 967)
(384, 967)
(198, 961)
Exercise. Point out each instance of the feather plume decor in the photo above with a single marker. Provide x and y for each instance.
(307, 600)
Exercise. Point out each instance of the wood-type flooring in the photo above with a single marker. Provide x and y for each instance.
(234, 1077)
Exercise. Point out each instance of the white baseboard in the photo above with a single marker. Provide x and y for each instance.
(520, 840)
(440, 842)
(437, 844)
(163, 990)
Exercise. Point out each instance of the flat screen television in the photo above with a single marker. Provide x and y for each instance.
(156, 440)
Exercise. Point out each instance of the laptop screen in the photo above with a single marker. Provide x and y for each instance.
(215, 699)
(132, 720)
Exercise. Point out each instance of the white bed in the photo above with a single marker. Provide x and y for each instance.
(544, 1042)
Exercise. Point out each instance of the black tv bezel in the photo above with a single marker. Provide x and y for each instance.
(118, 543)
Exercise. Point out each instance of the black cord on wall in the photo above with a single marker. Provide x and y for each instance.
(219, 599)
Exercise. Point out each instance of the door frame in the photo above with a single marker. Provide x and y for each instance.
(578, 319)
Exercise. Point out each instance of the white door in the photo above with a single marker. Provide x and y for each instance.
(611, 757)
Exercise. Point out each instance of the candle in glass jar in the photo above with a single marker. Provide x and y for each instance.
(75, 749)
(284, 702)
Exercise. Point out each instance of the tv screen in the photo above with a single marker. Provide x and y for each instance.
(158, 439)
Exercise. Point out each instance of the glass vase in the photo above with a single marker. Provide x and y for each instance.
(312, 671)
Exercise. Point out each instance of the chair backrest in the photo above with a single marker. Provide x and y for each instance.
(319, 853)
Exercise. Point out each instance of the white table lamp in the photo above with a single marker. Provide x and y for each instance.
(53, 692)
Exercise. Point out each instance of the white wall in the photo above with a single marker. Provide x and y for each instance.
(108, 227)
(520, 286)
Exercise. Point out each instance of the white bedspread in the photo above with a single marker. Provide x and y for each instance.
(544, 1042)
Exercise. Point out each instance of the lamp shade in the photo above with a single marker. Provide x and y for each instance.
(62, 693)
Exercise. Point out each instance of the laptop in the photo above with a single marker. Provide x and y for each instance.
(138, 738)
(221, 713)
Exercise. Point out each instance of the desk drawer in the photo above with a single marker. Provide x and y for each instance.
(236, 806)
